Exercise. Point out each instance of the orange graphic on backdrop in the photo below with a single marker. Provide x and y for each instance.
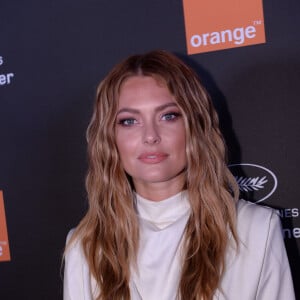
(217, 24)
(4, 246)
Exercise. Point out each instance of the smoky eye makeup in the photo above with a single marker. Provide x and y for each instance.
(126, 121)
(171, 116)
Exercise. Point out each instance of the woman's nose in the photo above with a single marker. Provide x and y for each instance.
(151, 134)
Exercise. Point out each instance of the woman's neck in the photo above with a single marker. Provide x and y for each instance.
(158, 191)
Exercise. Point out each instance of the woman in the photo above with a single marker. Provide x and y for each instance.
(164, 220)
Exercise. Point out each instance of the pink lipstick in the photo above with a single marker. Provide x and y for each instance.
(152, 157)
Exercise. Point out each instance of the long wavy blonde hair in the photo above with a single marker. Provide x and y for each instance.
(109, 231)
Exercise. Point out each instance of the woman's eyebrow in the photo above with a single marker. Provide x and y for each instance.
(157, 109)
(162, 107)
(128, 109)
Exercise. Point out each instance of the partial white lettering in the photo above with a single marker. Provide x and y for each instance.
(237, 36)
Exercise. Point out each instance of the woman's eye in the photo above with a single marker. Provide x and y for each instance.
(170, 116)
(127, 122)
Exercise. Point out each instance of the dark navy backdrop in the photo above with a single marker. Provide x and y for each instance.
(58, 51)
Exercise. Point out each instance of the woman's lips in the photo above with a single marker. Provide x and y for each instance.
(152, 157)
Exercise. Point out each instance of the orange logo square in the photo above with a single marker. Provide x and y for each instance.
(4, 246)
(216, 24)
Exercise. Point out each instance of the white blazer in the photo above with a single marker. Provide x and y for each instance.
(258, 271)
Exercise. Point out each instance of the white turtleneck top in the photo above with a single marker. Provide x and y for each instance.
(162, 226)
(258, 271)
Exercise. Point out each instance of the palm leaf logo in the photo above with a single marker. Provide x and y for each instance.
(249, 184)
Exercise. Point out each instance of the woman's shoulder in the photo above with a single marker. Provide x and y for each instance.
(74, 255)
(73, 245)
(257, 223)
(247, 208)
(252, 214)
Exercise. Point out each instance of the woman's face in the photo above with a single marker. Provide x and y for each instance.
(150, 136)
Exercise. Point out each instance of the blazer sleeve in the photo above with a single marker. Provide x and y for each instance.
(77, 279)
(275, 281)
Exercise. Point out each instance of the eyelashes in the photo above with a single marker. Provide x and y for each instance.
(127, 122)
(168, 117)
(171, 116)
